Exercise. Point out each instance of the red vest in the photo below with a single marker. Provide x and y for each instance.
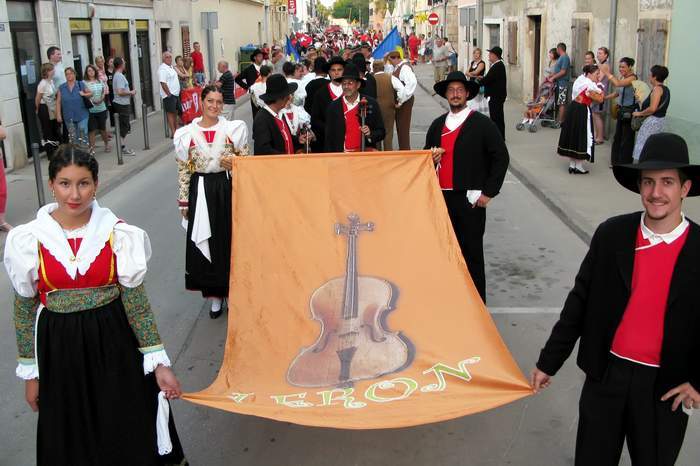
(286, 135)
(641, 331)
(52, 275)
(446, 167)
(353, 135)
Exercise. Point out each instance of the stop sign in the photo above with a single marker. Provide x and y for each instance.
(433, 19)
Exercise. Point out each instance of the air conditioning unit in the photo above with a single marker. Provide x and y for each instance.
(281, 8)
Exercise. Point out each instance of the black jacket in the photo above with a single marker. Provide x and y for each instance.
(335, 125)
(267, 138)
(495, 81)
(369, 86)
(322, 99)
(247, 77)
(595, 306)
(480, 154)
(311, 89)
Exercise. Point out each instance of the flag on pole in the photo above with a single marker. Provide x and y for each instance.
(292, 54)
(390, 43)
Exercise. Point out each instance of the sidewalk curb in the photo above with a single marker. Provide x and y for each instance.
(576, 223)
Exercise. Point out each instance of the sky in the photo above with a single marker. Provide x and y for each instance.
(328, 3)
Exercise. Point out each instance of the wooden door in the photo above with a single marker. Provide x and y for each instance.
(652, 36)
(580, 29)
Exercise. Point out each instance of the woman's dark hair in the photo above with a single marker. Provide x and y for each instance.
(206, 90)
(265, 70)
(554, 52)
(627, 61)
(588, 69)
(67, 155)
(659, 72)
(94, 69)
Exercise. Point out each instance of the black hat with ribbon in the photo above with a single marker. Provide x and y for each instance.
(457, 76)
(662, 151)
(276, 88)
(496, 51)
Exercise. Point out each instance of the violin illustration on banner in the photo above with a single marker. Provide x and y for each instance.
(354, 343)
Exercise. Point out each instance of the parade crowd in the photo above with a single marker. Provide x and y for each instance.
(78, 270)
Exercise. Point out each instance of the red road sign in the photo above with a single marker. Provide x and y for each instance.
(433, 19)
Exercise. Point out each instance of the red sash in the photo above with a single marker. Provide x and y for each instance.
(333, 96)
(286, 135)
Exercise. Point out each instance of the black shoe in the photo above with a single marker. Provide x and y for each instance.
(580, 171)
(215, 315)
(572, 170)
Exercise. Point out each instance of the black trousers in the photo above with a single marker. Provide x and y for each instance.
(497, 116)
(469, 224)
(124, 114)
(254, 108)
(623, 142)
(623, 406)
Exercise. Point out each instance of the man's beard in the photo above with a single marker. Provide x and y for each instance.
(457, 108)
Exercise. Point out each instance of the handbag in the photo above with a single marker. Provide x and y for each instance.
(86, 100)
(624, 112)
(638, 121)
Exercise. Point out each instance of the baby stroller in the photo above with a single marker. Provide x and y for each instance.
(540, 109)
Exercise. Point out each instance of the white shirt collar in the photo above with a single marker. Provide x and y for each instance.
(336, 89)
(668, 238)
(272, 112)
(349, 105)
(454, 120)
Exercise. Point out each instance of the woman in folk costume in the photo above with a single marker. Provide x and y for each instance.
(576, 138)
(89, 349)
(204, 150)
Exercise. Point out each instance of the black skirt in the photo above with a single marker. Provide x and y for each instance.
(95, 404)
(211, 278)
(573, 139)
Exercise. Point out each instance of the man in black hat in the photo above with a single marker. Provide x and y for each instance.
(323, 98)
(635, 307)
(369, 86)
(249, 75)
(495, 88)
(472, 161)
(271, 133)
(344, 126)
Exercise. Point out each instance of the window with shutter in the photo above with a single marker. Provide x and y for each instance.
(651, 45)
(186, 46)
(579, 44)
(513, 42)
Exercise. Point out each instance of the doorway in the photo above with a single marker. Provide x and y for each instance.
(116, 44)
(536, 28)
(144, 53)
(25, 48)
(82, 53)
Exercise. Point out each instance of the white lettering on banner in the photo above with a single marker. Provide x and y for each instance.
(440, 368)
(239, 398)
(343, 394)
(410, 384)
(290, 403)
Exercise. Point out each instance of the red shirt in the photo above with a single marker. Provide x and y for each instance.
(641, 331)
(286, 135)
(446, 168)
(353, 134)
(197, 62)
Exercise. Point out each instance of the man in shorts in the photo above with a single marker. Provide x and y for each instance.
(121, 102)
(560, 77)
(169, 91)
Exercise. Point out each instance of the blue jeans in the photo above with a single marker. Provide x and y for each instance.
(199, 78)
(78, 130)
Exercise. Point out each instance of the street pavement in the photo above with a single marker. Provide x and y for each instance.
(532, 255)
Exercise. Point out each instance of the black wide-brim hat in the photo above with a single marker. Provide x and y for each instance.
(496, 51)
(276, 88)
(351, 72)
(457, 76)
(662, 151)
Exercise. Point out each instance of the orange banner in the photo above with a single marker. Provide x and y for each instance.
(351, 305)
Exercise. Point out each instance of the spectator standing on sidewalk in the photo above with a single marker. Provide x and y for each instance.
(97, 121)
(227, 85)
(4, 226)
(45, 103)
(106, 77)
(182, 74)
(429, 44)
(122, 102)
(553, 56)
(495, 84)
(477, 67)
(276, 61)
(70, 106)
(59, 77)
(440, 60)
(599, 110)
(169, 91)
(250, 74)
(109, 71)
(198, 65)
(653, 109)
(560, 77)
(623, 142)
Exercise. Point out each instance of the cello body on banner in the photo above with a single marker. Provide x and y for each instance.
(354, 343)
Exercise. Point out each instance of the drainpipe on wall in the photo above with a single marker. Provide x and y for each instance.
(480, 25)
(611, 57)
(58, 26)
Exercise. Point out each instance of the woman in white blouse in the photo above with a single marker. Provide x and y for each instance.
(204, 152)
(89, 349)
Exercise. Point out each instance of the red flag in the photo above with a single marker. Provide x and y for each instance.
(191, 99)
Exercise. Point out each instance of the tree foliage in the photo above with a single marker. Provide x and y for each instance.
(350, 9)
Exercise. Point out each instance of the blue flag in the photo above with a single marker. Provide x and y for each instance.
(292, 54)
(390, 43)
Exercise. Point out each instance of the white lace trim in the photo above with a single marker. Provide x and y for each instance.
(236, 130)
(154, 359)
(27, 371)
